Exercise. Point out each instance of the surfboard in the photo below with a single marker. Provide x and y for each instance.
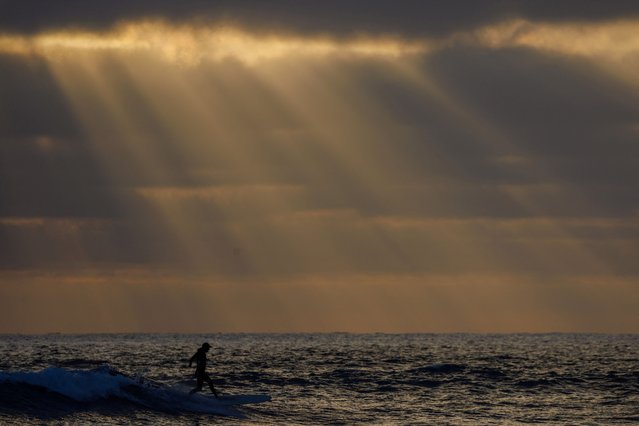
(241, 399)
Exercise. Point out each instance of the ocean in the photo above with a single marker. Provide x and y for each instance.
(334, 378)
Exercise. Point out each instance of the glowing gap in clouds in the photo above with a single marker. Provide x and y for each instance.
(612, 39)
(189, 45)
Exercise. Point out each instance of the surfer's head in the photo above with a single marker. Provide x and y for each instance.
(206, 346)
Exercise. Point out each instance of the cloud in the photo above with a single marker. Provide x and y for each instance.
(616, 39)
(307, 163)
(191, 44)
(412, 18)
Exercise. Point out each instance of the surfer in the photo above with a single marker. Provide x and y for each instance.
(200, 369)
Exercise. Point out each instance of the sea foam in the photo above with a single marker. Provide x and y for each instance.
(104, 382)
(80, 385)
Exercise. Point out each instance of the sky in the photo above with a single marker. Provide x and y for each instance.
(304, 166)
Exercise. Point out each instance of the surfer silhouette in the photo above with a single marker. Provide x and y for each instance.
(200, 369)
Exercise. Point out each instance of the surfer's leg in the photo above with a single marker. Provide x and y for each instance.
(197, 388)
(210, 382)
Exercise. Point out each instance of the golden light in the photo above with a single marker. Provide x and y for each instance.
(189, 45)
(615, 40)
(263, 156)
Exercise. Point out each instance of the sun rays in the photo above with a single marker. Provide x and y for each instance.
(278, 157)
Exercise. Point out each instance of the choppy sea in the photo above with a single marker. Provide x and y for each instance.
(336, 378)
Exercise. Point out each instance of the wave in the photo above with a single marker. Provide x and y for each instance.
(60, 390)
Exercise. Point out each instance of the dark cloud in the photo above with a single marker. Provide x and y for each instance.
(30, 100)
(45, 169)
(573, 124)
(548, 104)
(411, 18)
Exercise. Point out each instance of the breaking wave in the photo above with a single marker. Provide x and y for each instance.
(57, 390)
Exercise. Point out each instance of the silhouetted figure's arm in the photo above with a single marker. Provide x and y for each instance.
(193, 358)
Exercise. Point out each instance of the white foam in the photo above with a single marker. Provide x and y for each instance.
(81, 385)
(103, 382)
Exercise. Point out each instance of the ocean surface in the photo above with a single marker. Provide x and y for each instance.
(337, 378)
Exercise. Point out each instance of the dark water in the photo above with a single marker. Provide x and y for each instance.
(323, 379)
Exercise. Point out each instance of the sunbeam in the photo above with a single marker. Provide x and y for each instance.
(365, 172)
